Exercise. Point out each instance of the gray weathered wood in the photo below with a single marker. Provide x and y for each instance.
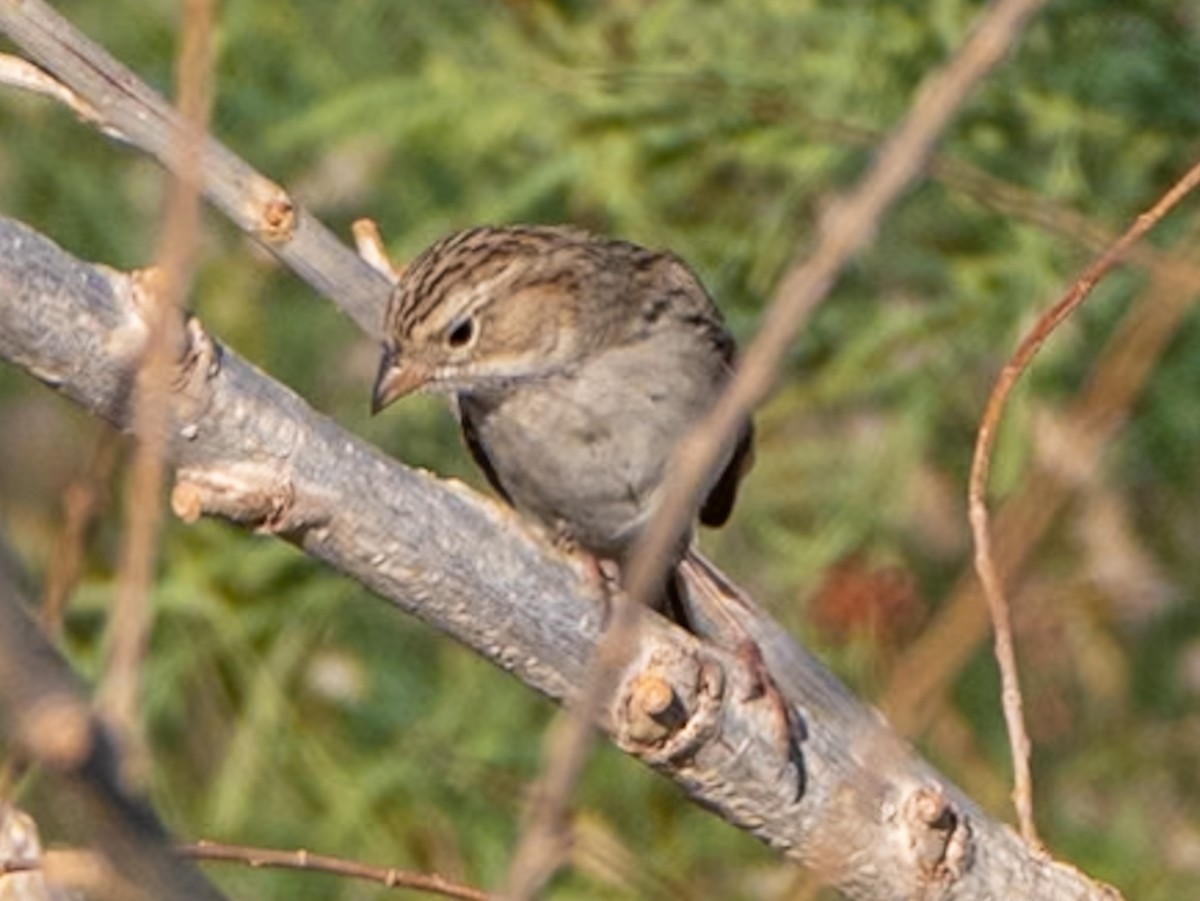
(856, 804)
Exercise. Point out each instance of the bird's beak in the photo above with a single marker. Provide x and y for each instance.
(397, 377)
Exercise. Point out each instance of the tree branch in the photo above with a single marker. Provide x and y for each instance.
(45, 715)
(122, 105)
(859, 807)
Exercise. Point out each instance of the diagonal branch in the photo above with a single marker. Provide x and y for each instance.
(860, 808)
(118, 102)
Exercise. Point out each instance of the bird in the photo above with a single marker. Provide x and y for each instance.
(577, 364)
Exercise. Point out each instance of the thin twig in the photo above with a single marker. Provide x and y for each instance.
(920, 676)
(848, 229)
(20, 73)
(83, 500)
(391, 877)
(167, 285)
(369, 244)
(989, 575)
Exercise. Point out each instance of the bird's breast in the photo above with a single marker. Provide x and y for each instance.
(586, 452)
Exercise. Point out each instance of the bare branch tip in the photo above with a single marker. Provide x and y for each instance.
(937, 832)
(368, 241)
(278, 218)
(252, 494)
(652, 709)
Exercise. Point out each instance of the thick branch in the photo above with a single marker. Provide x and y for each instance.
(858, 806)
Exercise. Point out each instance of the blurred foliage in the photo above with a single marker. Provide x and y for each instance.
(287, 709)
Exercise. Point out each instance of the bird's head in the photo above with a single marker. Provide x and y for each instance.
(484, 309)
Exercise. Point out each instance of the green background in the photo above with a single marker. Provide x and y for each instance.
(286, 708)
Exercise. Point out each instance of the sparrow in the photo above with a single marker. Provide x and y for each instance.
(576, 363)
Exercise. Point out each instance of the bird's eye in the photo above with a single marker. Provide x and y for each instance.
(461, 333)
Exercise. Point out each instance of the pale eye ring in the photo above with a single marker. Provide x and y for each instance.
(461, 333)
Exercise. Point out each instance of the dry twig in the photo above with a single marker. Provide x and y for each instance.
(125, 104)
(848, 229)
(930, 664)
(19, 73)
(390, 877)
(164, 289)
(83, 501)
(989, 574)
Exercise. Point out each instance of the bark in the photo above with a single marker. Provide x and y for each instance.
(851, 800)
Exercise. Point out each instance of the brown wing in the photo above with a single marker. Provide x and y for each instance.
(719, 503)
